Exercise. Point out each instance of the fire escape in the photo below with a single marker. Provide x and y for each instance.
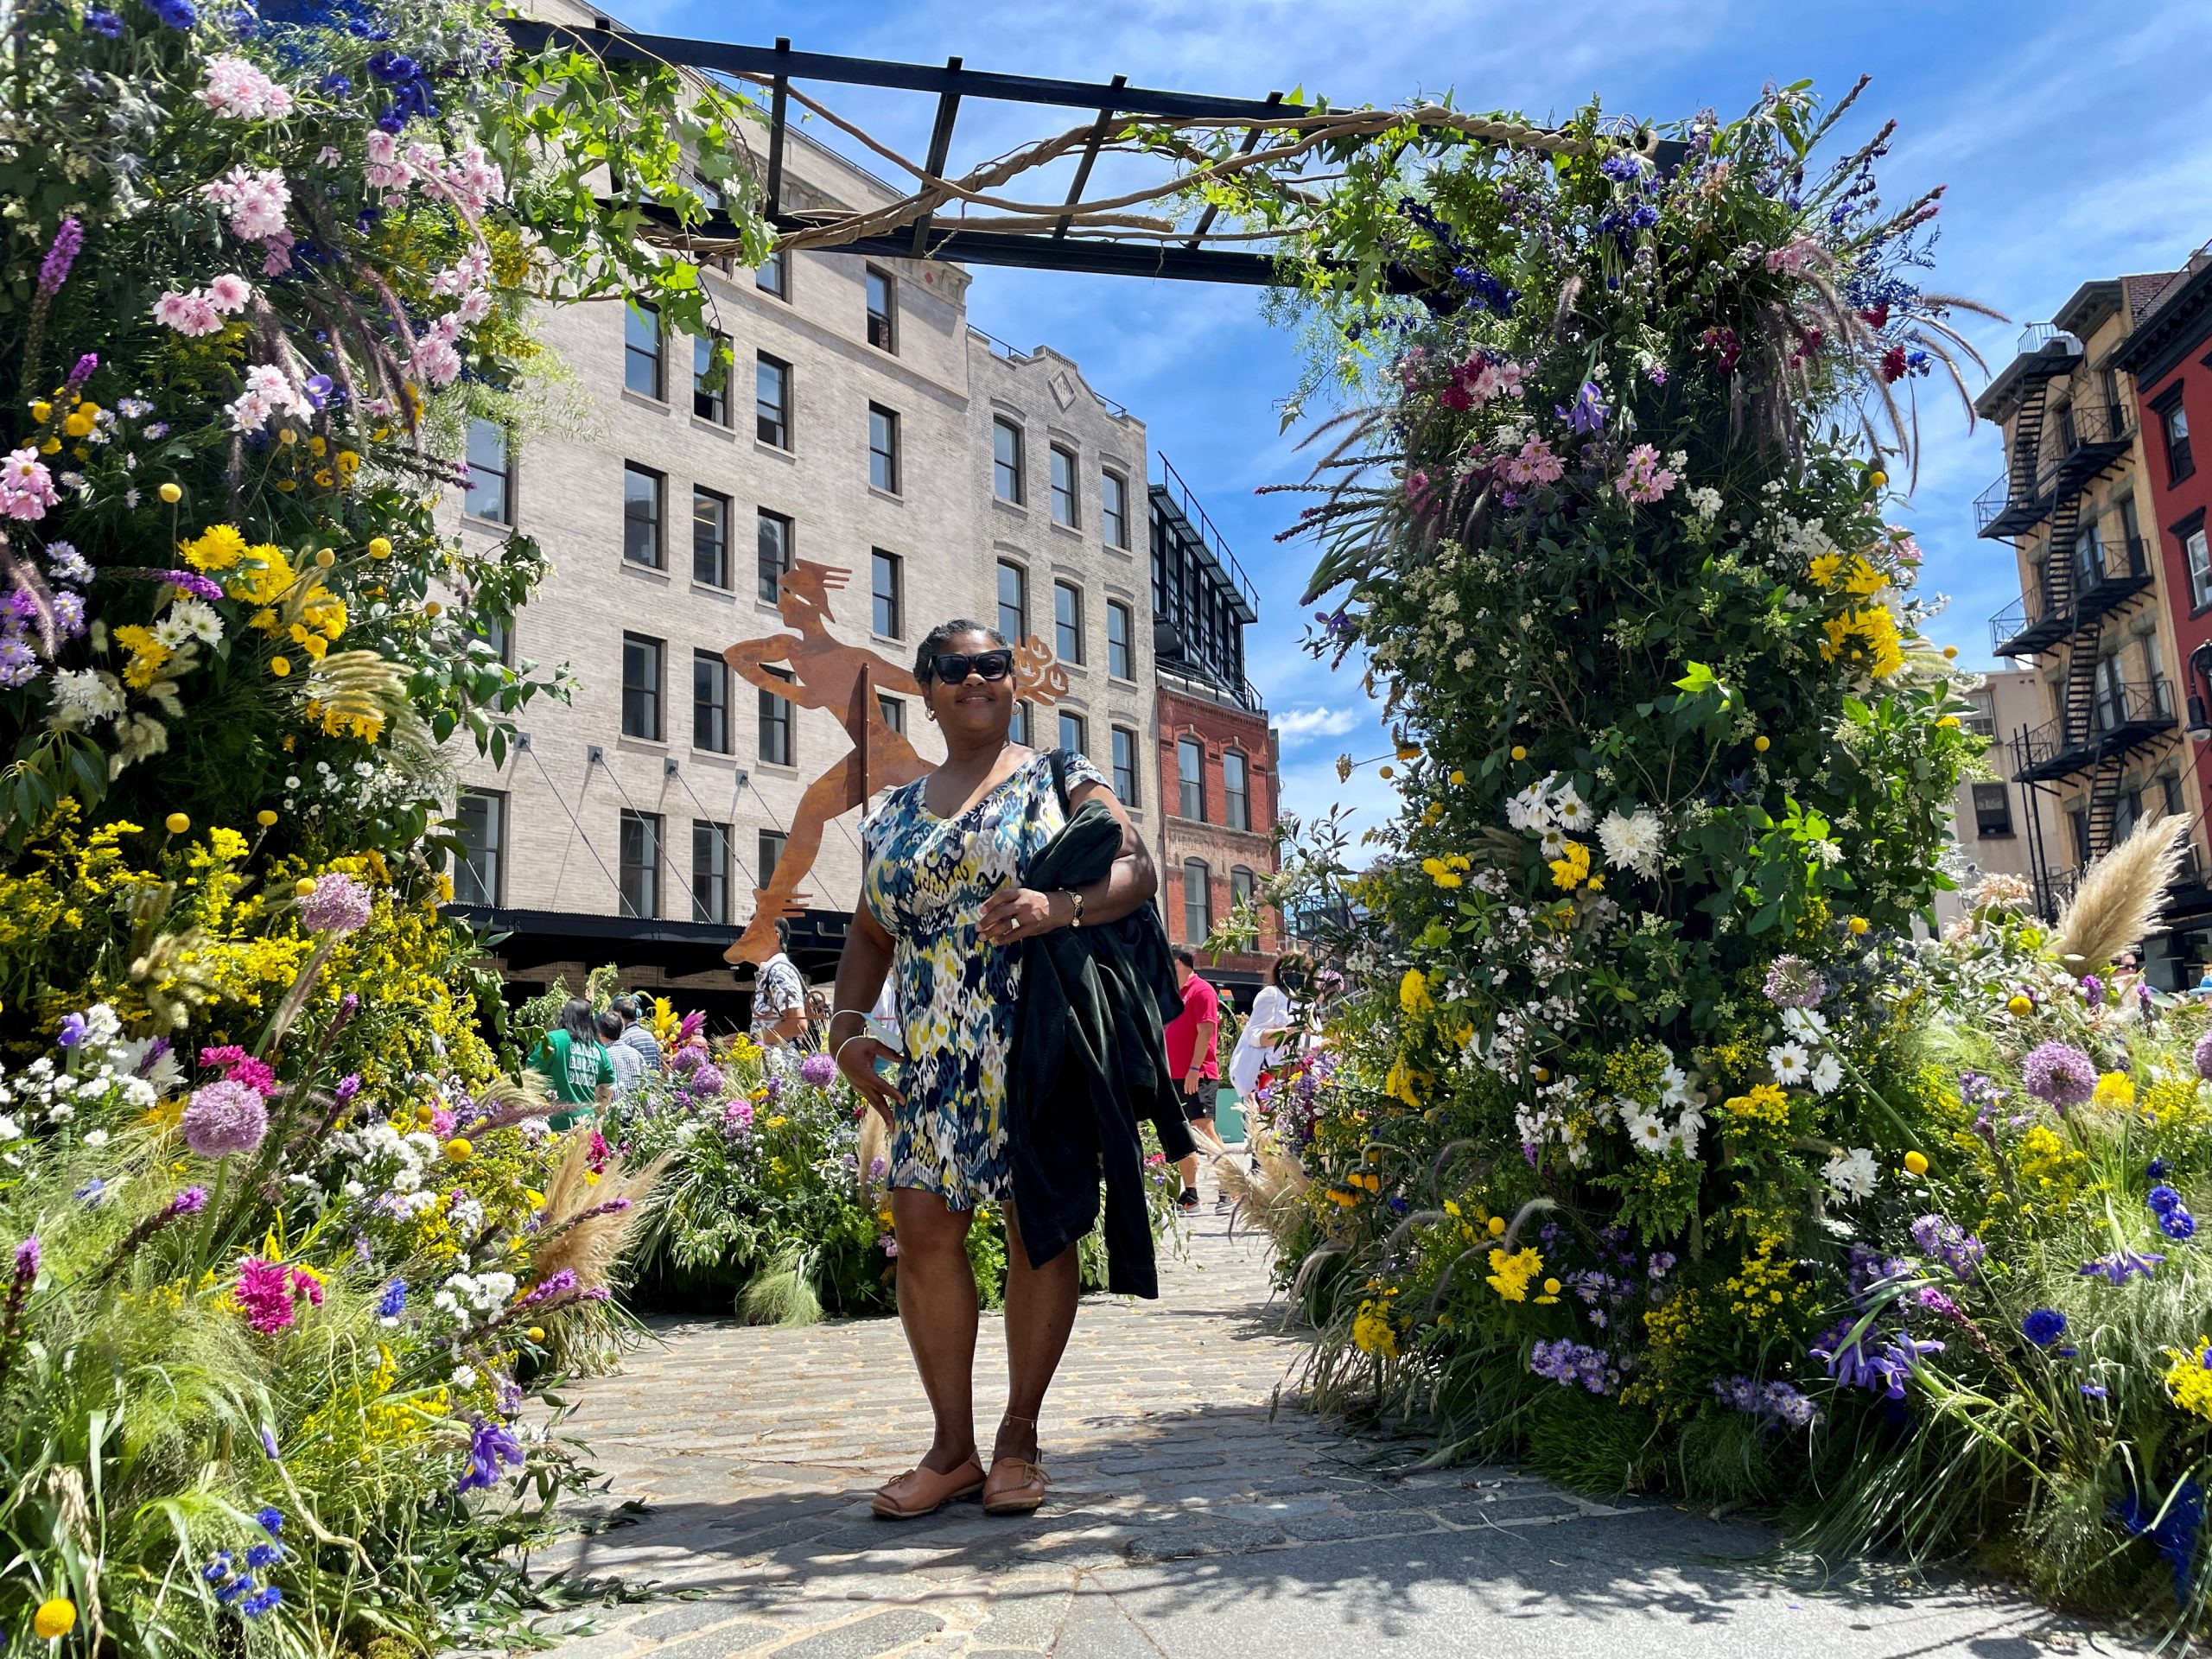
(2060, 446)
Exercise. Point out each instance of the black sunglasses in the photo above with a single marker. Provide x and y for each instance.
(953, 667)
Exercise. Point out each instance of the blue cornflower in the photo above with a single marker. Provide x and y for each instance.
(101, 21)
(271, 1520)
(2178, 1222)
(336, 85)
(393, 1302)
(238, 1586)
(218, 1569)
(2044, 1327)
(1623, 169)
(92, 1192)
(2095, 1390)
(264, 1555)
(177, 14)
(2163, 1200)
(391, 66)
(2156, 1169)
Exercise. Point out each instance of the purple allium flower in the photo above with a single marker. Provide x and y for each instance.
(2203, 1054)
(816, 1071)
(54, 269)
(72, 1032)
(2060, 1073)
(189, 581)
(705, 1081)
(1792, 982)
(2044, 1327)
(339, 904)
(29, 1255)
(224, 1118)
(488, 1447)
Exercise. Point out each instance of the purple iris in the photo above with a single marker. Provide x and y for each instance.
(490, 1447)
(1586, 416)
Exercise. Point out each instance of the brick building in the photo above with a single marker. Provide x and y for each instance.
(1217, 756)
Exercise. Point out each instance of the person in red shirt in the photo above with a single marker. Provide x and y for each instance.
(1192, 1061)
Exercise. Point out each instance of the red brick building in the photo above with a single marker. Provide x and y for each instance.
(1217, 775)
(2169, 355)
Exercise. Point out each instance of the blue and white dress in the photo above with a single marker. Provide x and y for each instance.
(927, 881)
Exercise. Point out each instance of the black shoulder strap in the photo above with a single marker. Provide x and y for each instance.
(1059, 758)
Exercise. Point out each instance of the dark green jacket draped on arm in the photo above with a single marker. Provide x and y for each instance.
(1089, 1062)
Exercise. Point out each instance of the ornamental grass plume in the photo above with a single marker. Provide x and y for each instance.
(1270, 1198)
(873, 1149)
(583, 1231)
(2120, 898)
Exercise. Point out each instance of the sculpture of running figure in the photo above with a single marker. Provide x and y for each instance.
(827, 673)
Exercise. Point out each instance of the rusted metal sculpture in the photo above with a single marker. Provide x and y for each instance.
(827, 673)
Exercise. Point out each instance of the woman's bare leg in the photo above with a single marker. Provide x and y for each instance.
(937, 1305)
(1040, 1313)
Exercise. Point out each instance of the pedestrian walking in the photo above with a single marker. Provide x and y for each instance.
(1194, 1061)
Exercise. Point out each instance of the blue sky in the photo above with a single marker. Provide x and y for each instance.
(2073, 139)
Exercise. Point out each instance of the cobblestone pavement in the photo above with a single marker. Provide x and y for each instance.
(1188, 1516)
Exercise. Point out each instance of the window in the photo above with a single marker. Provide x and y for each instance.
(641, 350)
(889, 586)
(1125, 766)
(1063, 487)
(894, 710)
(490, 495)
(1198, 901)
(641, 687)
(2090, 554)
(1067, 621)
(1117, 641)
(710, 871)
(641, 515)
(640, 864)
(1013, 602)
(2199, 567)
(709, 538)
(775, 276)
(2169, 793)
(1017, 728)
(774, 536)
(483, 819)
(1114, 509)
(770, 850)
(1236, 789)
(1074, 737)
(1242, 886)
(1006, 460)
(1983, 721)
(776, 745)
(709, 702)
(883, 448)
(2077, 820)
(771, 401)
(1190, 778)
(2173, 425)
(499, 633)
(710, 378)
(882, 314)
(1992, 810)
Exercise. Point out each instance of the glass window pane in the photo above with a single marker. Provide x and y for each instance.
(776, 745)
(1067, 622)
(709, 538)
(709, 702)
(775, 276)
(770, 850)
(1006, 460)
(1073, 736)
(641, 350)
(640, 687)
(1117, 640)
(710, 871)
(1013, 603)
(1191, 775)
(774, 557)
(710, 379)
(1197, 902)
(773, 401)
(1113, 509)
(641, 493)
(882, 448)
(1018, 727)
(894, 710)
(882, 299)
(1235, 791)
(640, 864)
(889, 620)
(1125, 766)
(488, 497)
(1064, 503)
(482, 828)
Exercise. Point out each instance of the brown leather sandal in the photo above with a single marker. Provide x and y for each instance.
(921, 1492)
(1016, 1485)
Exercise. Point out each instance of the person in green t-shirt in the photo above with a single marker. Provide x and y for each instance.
(570, 1058)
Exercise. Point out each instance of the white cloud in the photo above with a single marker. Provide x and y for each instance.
(1297, 724)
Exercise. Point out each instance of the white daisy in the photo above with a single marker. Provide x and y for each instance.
(1806, 1025)
(1826, 1075)
(1575, 815)
(1852, 1175)
(1645, 1132)
(1790, 1062)
(1631, 840)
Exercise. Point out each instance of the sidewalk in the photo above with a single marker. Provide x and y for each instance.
(1188, 1518)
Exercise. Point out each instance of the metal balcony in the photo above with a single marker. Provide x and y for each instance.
(2108, 579)
(2121, 717)
(2078, 442)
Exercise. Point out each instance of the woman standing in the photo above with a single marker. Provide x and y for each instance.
(943, 910)
(569, 1058)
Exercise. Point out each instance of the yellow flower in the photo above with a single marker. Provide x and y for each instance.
(379, 548)
(1571, 869)
(280, 666)
(2188, 1383)
(2115, 1091)
(1385, 773)
(176, 824)
(1762, 743)
(1509, 1274)
(55, 1618)
(171, 494)
(2020, 1005)
(1915, 1163)
(536, 1334)
(304, 887)
(348, 463)
(1825, 568)
(459, 1150)
(1520, 754)
(1457, 776)
(42, 411)
(1412, 992)
(78, 425)
(1496, 1224)
(265, 818)
(217, 547)
(1372, 1331)
(1949, 722)
(1857, 924)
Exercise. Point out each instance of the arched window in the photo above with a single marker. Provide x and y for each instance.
(1236, 789)
(1198, 901)
(1242, 887)
(1191, 775)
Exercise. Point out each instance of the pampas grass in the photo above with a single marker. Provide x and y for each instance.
(2120, 898)
(587, 1225)
(1271, 1197)
(782, 1293)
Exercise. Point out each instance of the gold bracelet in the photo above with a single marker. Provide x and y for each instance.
(1078, 897)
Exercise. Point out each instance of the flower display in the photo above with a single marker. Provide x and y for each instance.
(2059, 1073)
(225, 1119)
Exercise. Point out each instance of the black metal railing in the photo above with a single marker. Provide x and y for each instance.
(2078, 441)
(2102, 576)
(2119, 717)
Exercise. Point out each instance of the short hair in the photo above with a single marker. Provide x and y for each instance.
(936, 639)
(783, 932)
(610, 1026)
(624, 1006)
(1182, 954)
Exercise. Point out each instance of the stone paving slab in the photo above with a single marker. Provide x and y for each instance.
(1195, 1510)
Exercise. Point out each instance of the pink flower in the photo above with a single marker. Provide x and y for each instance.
(228, 293)
(26, 487)
(264, 1292)
(1793, 258)
(238, 89)
(385, 170)
(191, 314)
(1643, 479)
(1535, 464)
(254, 201)
(239, 1066)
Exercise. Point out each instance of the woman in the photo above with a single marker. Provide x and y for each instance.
(570, 1058)
(1259, 1047)
(943, 905)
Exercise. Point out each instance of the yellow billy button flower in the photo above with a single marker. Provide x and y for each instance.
(1458, 777)
(176, 824)
(1497, 1226)
(1386, 772)
(324, 558)
(304, 887)
(1877, 479)
(1542, 1074)
(380, 547)
(55, 1618)
(1520, 754)
(1950, 653)
(1857, 925)
(1762, 743)
(1551, 1287)
(1915, 1163)
(459, 1150)
(2020, 1005)
(280, 666)
(536, 1334)
(42, 411)
(172, 494)
(265, 818)
(434, 609)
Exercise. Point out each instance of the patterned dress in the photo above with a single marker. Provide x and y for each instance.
(927, 880)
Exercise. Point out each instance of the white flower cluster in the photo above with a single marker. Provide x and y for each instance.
(474, 1299)
(1650, 1130)
(1632, 840)
(394, 1162)
(102, 1072)
(1803, 1058)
